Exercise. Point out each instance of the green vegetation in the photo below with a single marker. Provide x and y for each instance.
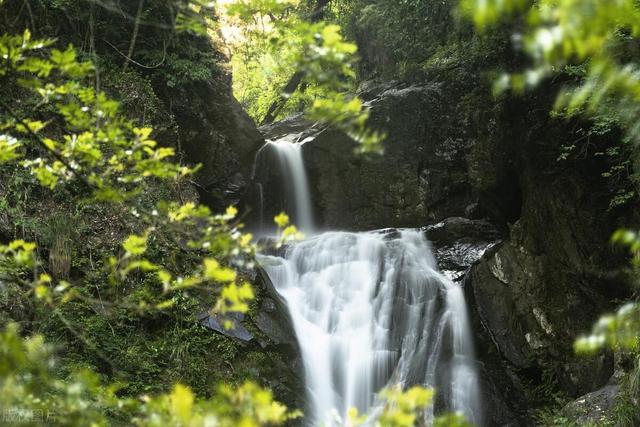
(402, 36)
(106, 254)
(285, 60)
(124, 262)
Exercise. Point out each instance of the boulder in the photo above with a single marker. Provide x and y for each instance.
(593, 408)
(229, 325)
(459, 242)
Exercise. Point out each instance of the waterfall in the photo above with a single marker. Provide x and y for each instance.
(292, 183)
(371, 310)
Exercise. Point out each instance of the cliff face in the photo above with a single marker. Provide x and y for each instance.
(215, 132)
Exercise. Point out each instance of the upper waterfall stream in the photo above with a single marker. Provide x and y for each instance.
(370, 310)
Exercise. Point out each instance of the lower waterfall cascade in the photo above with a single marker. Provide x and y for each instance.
(371, 310)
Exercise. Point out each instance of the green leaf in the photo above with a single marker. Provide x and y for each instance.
(135, 245)
(8, 148)
(282, 220)
(213, 271)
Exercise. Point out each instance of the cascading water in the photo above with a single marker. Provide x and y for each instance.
(371, 310)
(292, 180)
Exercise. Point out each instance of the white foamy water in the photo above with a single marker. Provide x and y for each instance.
(295, 185)
(371, 310)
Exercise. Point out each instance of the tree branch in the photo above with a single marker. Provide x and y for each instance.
(59, 157)
(148, 67)
(134, 36)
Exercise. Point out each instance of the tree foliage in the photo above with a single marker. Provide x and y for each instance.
(598, 37)
(274, 41)
(399, 37)
(75, 142)
(94, 147)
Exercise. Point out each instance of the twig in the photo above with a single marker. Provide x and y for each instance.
(40, 142)
(134, 36)
(149, 67)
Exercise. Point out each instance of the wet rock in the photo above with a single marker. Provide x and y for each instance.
(293, 126)
(229, 325)
(271, 323)
(460, 242)
(452, 229)
(593, 408)
(273, 318)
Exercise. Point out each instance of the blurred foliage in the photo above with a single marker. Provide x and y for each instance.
(621, 330)
(287, 231)
(599, 37)
(272, 42)
(33, 395)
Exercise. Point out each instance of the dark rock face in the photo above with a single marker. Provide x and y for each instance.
(534, 293)
(533, 310)
(273, 318)
(421, 178)
(229, 325)
(215, 132)
(276, 338)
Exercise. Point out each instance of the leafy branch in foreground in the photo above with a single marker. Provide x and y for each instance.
(87, 141)
(82, 147)
(98, 147)
(597, 36)
(33, 395)
(275, 43)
